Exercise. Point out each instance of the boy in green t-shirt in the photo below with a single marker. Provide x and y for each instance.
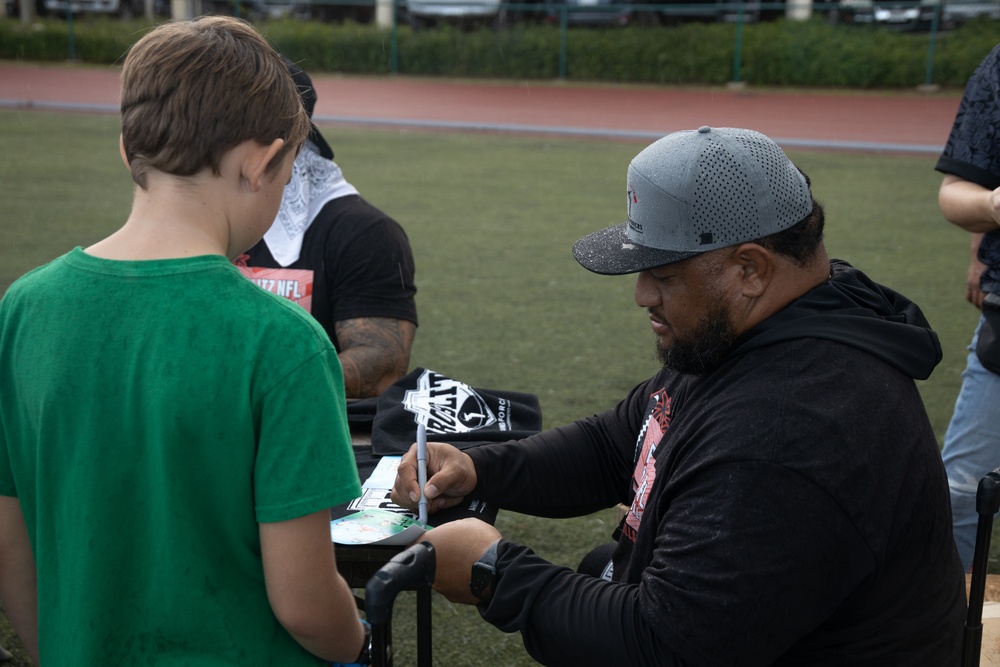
(172, 436)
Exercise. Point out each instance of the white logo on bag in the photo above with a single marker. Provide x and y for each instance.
(445, 405)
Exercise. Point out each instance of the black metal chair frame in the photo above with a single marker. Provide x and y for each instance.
(987, 505)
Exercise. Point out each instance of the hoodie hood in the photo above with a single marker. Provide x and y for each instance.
(852, 309)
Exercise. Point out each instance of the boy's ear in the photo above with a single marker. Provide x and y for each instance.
(256, 160)
(121, 151)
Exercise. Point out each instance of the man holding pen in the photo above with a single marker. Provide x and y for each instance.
(787, 501)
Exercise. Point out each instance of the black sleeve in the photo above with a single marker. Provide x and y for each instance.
(971, 152)
(725, 585)
(571, 619)
(568, 471)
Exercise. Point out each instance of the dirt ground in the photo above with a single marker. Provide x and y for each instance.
(908, 120)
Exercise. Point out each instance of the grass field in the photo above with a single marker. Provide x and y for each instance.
(502, 302)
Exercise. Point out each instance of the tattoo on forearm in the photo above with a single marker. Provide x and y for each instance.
(374, 353)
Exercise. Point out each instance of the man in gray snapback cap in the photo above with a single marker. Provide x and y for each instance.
(787, 501)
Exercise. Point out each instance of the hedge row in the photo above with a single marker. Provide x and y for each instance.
(774, 53)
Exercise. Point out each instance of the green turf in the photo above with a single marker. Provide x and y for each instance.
(502, 303)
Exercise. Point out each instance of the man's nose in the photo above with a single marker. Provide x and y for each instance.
(646, 294)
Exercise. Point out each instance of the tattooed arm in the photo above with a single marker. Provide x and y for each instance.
(374, 353)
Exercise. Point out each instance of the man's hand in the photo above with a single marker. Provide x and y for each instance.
(451, 476)
(457, 545)
(973, 293)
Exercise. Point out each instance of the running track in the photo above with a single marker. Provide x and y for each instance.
(909, 122)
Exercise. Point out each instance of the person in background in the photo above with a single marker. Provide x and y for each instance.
(151, 508)
(343, 260)
(969, 197)
(787, 500)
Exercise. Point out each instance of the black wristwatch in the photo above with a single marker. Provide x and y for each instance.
(365, 657)
(484, 574)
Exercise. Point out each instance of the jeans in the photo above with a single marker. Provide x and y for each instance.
(971, 446)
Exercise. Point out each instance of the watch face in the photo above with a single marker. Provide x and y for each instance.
(482, 578)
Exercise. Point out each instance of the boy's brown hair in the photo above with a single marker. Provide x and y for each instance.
(192, 90)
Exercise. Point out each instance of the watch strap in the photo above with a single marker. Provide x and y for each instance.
(484, 573)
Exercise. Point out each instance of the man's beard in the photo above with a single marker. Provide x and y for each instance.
(704, 349)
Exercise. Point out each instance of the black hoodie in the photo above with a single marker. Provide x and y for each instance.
(789, 507)
(852, 309)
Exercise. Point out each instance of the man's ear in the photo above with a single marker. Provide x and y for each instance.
(756, 264)
(256, 160)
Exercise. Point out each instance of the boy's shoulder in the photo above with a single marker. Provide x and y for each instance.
(207, 284)
(38, 277)
(280, 311)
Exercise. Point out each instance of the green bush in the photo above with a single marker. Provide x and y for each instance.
(349, 48)
(773, 53)
(95, 40)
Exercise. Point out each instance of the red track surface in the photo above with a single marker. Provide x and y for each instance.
(909, 118)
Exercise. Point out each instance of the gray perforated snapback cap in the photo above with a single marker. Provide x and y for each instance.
(695, 191)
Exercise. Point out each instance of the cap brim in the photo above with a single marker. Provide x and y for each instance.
(611, 253)
(317, 138)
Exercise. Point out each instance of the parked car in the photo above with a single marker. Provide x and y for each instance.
(914, 14)
(901, 14)
(674, 12)
(334, 11)
(958, 11)
(592, 12)
(250, 9)
(421, 13)
(126, 9)
(14, 8)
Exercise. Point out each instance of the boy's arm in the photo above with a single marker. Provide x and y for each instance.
(309, 597)
(18, 583)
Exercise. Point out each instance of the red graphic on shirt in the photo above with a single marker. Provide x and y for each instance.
(656, 425)
(296, 285)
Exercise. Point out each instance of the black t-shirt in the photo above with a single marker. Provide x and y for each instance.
(361, 265)
(973, 150)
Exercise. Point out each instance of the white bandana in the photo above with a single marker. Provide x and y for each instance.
(315, 182)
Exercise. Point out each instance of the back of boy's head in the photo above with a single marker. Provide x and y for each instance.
(192, 90)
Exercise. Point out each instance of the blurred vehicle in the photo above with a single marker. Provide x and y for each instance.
(592, 12)
(14, 8)
(673, 12)
(423, 13)
(252, 9)
(959, 11)
(914, 15)
(126, 9)
(899, 14)
(338, 11)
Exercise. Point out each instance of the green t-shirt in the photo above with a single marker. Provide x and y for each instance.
(152, 413)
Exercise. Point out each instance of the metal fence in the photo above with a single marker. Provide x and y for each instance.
(928, 16)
